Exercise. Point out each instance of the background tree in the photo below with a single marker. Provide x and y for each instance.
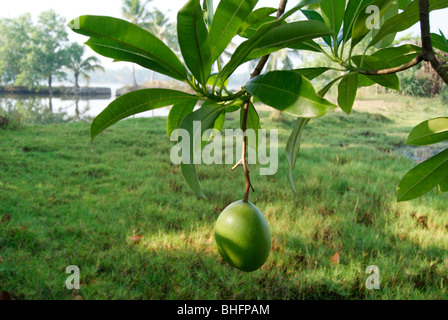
(79, 66)
(14, 46)
(47, 55)
(135, 12)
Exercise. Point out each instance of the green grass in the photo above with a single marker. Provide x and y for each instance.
(76, 203)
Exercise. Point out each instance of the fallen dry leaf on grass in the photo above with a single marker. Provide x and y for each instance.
(335, 258)
(1, 260)
(136, 239)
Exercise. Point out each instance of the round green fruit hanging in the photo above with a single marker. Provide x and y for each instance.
(242, 236)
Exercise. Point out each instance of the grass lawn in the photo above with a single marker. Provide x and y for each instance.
(65, 201)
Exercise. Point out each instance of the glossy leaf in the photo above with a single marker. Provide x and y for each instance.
(311, 73)
(288, 35)
(228, 19)
(194, 40)
(333, 13)
(207, 116)
(246, 47)
(208, 7)
(347, 92)
(256, 17)
(424, 177)
(406, 19)
(124, 41)
(398, 56)
(293, 148)
(439, 42)
(136, 102)
(387, 40)
(178, 113)
(251, 30)
(429, 132)
(402, 4)
(313, 15)
(354, 8)
(328, 86)
(373, 63)
(289, 92)
(360, 28)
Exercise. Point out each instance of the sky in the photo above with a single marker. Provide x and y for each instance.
(71, 9)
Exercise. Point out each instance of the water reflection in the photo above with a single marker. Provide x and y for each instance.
(43, 110)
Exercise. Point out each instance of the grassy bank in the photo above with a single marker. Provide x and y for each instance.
(65, 201)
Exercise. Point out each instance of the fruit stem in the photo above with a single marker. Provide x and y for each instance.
(261, 64)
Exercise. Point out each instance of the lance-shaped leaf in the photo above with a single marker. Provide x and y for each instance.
(256, 17)
(205, 116)
(402, 4)
(373, 63)
(311, 73)
(124, 41)
(246, 47)
(289, 92)
(424, 177)
(361, 28)
(208, 7)
(443, 186)
(333, 13)
(328, 86)
(293, 147)
(398, 56)
(406, 19)
(347, 92)
(354, 8)
(429, 132)
(251, 30)
(178, 113)
(387, 40)
(288, 35)
(439, 42)
(137, 102)
(228, 19)
(313, 15)
(194, 40)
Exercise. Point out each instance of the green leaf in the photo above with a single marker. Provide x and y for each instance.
(208, 7)
(439, 42)
(354, 8)
(178, 113)
(124, 41)
(442, 186)
(388, 40)
(373, 63)
(429, 132)
(328, 86)
(333, 13)
(207, 116)
(246, 47)
(251, 30)
(137, 102)
(256, 17)
(398, 56)
(235, 105)
(194, 41)
(293, 147)
(289, 92)
(229, 17)
(288, 35)
(313, 15)
(406, 19)
(360, 28)
(308, 45)
(212, 79)
(253, 122)
(311, 73)
(402, 4)
(424, 177)
(119, 52)
(347, 92)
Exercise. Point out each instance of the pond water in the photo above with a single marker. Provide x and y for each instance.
(28, 109)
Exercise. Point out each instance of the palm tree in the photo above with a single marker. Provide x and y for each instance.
(79, 66)
(135, 12)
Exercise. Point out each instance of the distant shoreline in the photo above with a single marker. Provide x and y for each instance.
(57, 91)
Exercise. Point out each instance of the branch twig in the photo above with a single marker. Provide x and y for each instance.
(260, 66)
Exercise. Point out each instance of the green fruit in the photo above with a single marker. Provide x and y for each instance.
(243, 237)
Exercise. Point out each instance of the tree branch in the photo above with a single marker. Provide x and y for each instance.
(403, 67)
(260, 66)
(428, 51)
